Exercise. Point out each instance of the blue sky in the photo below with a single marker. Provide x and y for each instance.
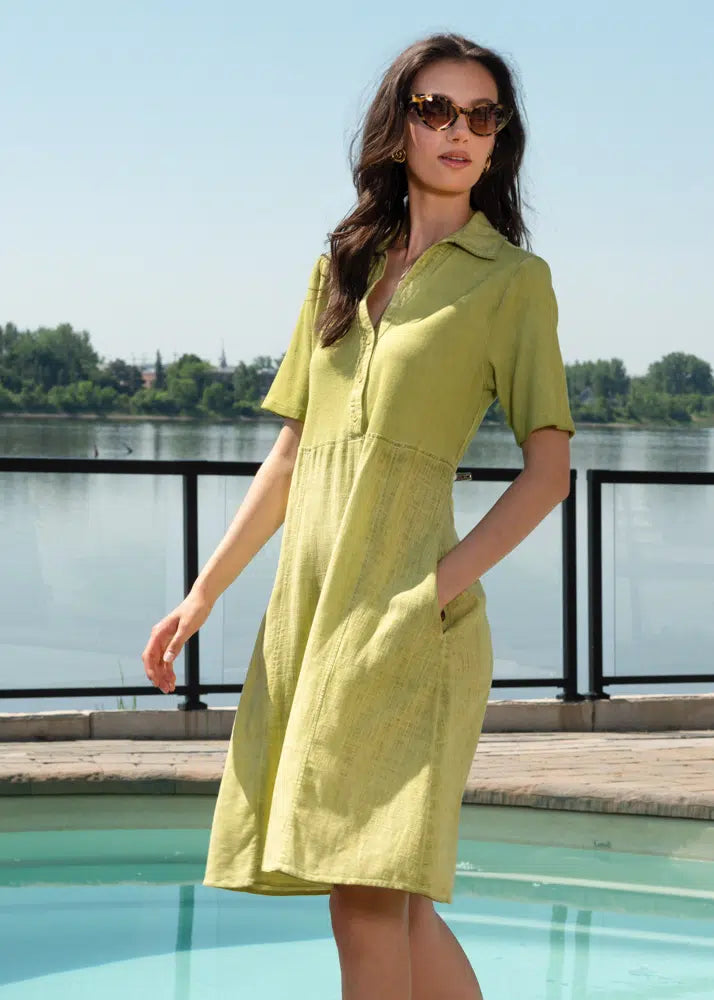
(157, 190)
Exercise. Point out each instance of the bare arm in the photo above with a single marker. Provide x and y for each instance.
(541, 486)
(259, 516)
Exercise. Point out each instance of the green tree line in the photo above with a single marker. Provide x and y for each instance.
(677, 389)
(58, 371)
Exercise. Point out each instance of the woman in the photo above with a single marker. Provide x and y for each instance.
(368, 682)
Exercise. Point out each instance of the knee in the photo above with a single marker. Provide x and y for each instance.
(359, 910)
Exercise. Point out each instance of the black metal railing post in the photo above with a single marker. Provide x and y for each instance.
(570, 594)
(190, 572)
(595, 671)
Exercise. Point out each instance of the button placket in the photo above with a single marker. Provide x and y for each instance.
(369, 336)
(367, 342)
(360, 378)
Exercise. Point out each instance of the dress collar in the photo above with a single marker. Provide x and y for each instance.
(477, 236)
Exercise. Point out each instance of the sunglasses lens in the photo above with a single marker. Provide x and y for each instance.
(437, 111)
(486, 119)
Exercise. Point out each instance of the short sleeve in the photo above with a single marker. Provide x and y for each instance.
(289, 391)
(523, 356)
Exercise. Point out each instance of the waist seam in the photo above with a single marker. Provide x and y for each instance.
(381, 437)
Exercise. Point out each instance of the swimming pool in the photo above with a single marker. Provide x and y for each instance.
(100, 896)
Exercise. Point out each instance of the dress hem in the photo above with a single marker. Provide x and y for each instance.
(422, 890)
(265, 889)
(325, 880)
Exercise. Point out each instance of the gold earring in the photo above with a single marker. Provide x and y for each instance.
(399, 155)
(487, 164)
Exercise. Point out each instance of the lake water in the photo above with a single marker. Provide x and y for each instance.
(90, 562)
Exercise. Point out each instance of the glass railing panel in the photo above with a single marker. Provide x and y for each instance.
(89, 562)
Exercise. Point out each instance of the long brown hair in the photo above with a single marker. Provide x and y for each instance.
(381, 182)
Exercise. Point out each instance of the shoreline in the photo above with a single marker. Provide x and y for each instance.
(244, 418)
(138, 417)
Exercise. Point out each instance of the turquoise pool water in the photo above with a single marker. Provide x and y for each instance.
(100, 896)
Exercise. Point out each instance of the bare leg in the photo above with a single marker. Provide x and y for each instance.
(440, 968)
(371, 928)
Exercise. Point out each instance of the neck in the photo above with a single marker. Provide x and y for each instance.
(429, 219)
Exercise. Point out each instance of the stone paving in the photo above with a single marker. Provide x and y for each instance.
(657, 774)
(654, 774)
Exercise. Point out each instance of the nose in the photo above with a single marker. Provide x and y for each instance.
(460, 125)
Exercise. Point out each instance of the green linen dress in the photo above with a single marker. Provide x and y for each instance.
(361, 708)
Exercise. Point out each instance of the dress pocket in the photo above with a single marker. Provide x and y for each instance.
(438, 615)
(459, 608)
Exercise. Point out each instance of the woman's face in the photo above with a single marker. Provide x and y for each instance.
(465, 82)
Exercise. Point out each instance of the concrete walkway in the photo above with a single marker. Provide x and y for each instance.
(655, 774)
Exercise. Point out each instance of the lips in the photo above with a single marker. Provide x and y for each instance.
(455, 156)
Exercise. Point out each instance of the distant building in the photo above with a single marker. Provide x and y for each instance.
(265, 378)
(222, 373)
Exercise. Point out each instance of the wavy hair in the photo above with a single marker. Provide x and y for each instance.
(381, 182)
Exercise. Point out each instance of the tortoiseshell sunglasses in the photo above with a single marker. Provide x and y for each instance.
(439, 112)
